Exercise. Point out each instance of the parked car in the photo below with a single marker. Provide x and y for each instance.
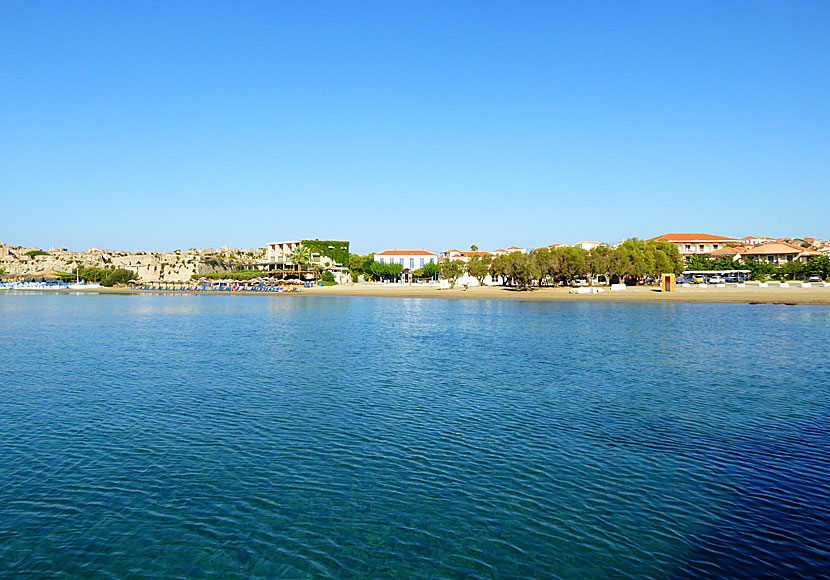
(814, 278)
(580, 282)
(716, 280)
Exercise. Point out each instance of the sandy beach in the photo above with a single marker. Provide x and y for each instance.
(752, 294)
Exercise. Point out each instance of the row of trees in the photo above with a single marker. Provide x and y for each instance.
(367, 267)
(761, 270)
(633, 260)
(103, 276)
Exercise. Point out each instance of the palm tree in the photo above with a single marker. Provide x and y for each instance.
(301, 256)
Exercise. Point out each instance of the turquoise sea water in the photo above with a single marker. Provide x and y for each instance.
(308, 437)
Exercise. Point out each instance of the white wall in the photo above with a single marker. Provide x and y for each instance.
(396, 259)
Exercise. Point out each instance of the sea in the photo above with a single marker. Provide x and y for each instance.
(181, 436)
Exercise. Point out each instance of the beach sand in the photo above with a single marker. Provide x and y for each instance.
(752, 294)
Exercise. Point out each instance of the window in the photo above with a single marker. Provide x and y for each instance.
(411, 263)
(432, 260)
(688, 248)
(715, 246)
(701, 247)
(422, 262)
(401, 261)
(381, 260)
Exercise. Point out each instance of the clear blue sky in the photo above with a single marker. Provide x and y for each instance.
(164, 125)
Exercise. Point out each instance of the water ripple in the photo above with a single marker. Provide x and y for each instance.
(257, 437)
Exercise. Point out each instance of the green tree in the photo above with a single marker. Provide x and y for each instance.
(818, 265)
(451, 270)
(499, 268)
(599, 263)
(479, 267)
(384, 271)
(474, 248)
(760, 269)
(639, 259)
(356, 263)
(572, 262)
(667, 258)
(33, 253)
(301, 256)
(394, 270)
(792, 270)
(523, 269)
(431, 269)
(367, 266)
(546, 264)
(118, 276)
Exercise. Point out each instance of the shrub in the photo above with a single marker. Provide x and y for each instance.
(337, 250)
(118, 276)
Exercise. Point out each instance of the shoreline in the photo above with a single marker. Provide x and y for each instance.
(794, 295)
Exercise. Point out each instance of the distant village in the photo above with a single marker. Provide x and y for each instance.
(314, 257)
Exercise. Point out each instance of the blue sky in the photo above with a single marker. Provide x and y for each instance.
(163, 125)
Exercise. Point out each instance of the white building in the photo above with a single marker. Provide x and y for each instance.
(584, 245)
(459, 256)
(410, 259)
(691, 244)
(510, 250)
(280, 252)
(756, 241)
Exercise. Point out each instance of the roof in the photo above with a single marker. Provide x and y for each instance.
(404, 253)
(692, 238)
(515, 248)
(470, 254)
(778, 248)
(727, 251)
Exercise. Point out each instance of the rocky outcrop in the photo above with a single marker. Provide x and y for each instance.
(177, 266)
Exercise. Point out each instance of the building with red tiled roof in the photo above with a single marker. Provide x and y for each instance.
(780, 253)
(404, 253)
(728, 251)
(461, 256)
(691, 244)
(409, 259)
